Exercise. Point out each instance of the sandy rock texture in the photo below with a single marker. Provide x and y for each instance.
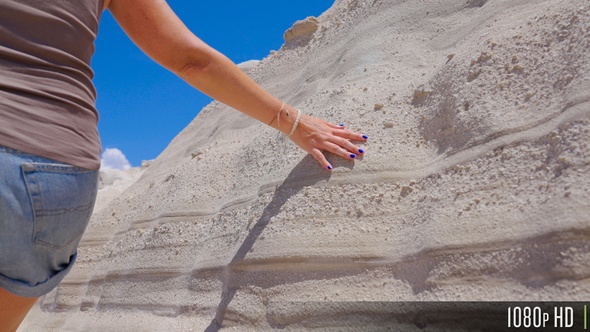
(474, 185)
(113, 182)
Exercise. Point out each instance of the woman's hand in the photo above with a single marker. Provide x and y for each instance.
(315, 135)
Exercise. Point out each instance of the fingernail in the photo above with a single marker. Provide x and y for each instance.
(352, 155)
(365, 136)
(342, 125)
(329, 167)
(361, 151)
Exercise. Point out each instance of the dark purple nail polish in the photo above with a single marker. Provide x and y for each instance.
(365, 136)
(329, 167)
(342, 125)
(352, 155)
(361, 151)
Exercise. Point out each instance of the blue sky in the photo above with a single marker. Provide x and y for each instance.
(142, 106)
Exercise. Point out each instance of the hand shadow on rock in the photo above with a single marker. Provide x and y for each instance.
(306, 173)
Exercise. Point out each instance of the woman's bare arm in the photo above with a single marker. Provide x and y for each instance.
(154, 27)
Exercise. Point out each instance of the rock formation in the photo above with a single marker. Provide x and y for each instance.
(474, 185)
(301, 32)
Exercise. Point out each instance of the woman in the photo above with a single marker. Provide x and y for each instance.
(49, 144)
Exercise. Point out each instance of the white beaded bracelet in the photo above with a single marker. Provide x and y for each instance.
(296, 122)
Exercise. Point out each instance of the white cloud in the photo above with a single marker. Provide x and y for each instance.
(113, 158)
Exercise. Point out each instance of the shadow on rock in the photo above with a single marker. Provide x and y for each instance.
(299, 178)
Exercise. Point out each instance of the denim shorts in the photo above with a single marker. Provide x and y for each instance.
(45, 206)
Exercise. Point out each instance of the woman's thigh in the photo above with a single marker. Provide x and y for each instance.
(45, 206)
(13, 309)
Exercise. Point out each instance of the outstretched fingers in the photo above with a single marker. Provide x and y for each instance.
(350, 135)
(317, 136)
(343, 148)
(338, 146)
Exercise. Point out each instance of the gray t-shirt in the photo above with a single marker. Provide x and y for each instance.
(47, 99)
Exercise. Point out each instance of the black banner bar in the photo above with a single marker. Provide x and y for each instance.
(430, 316)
